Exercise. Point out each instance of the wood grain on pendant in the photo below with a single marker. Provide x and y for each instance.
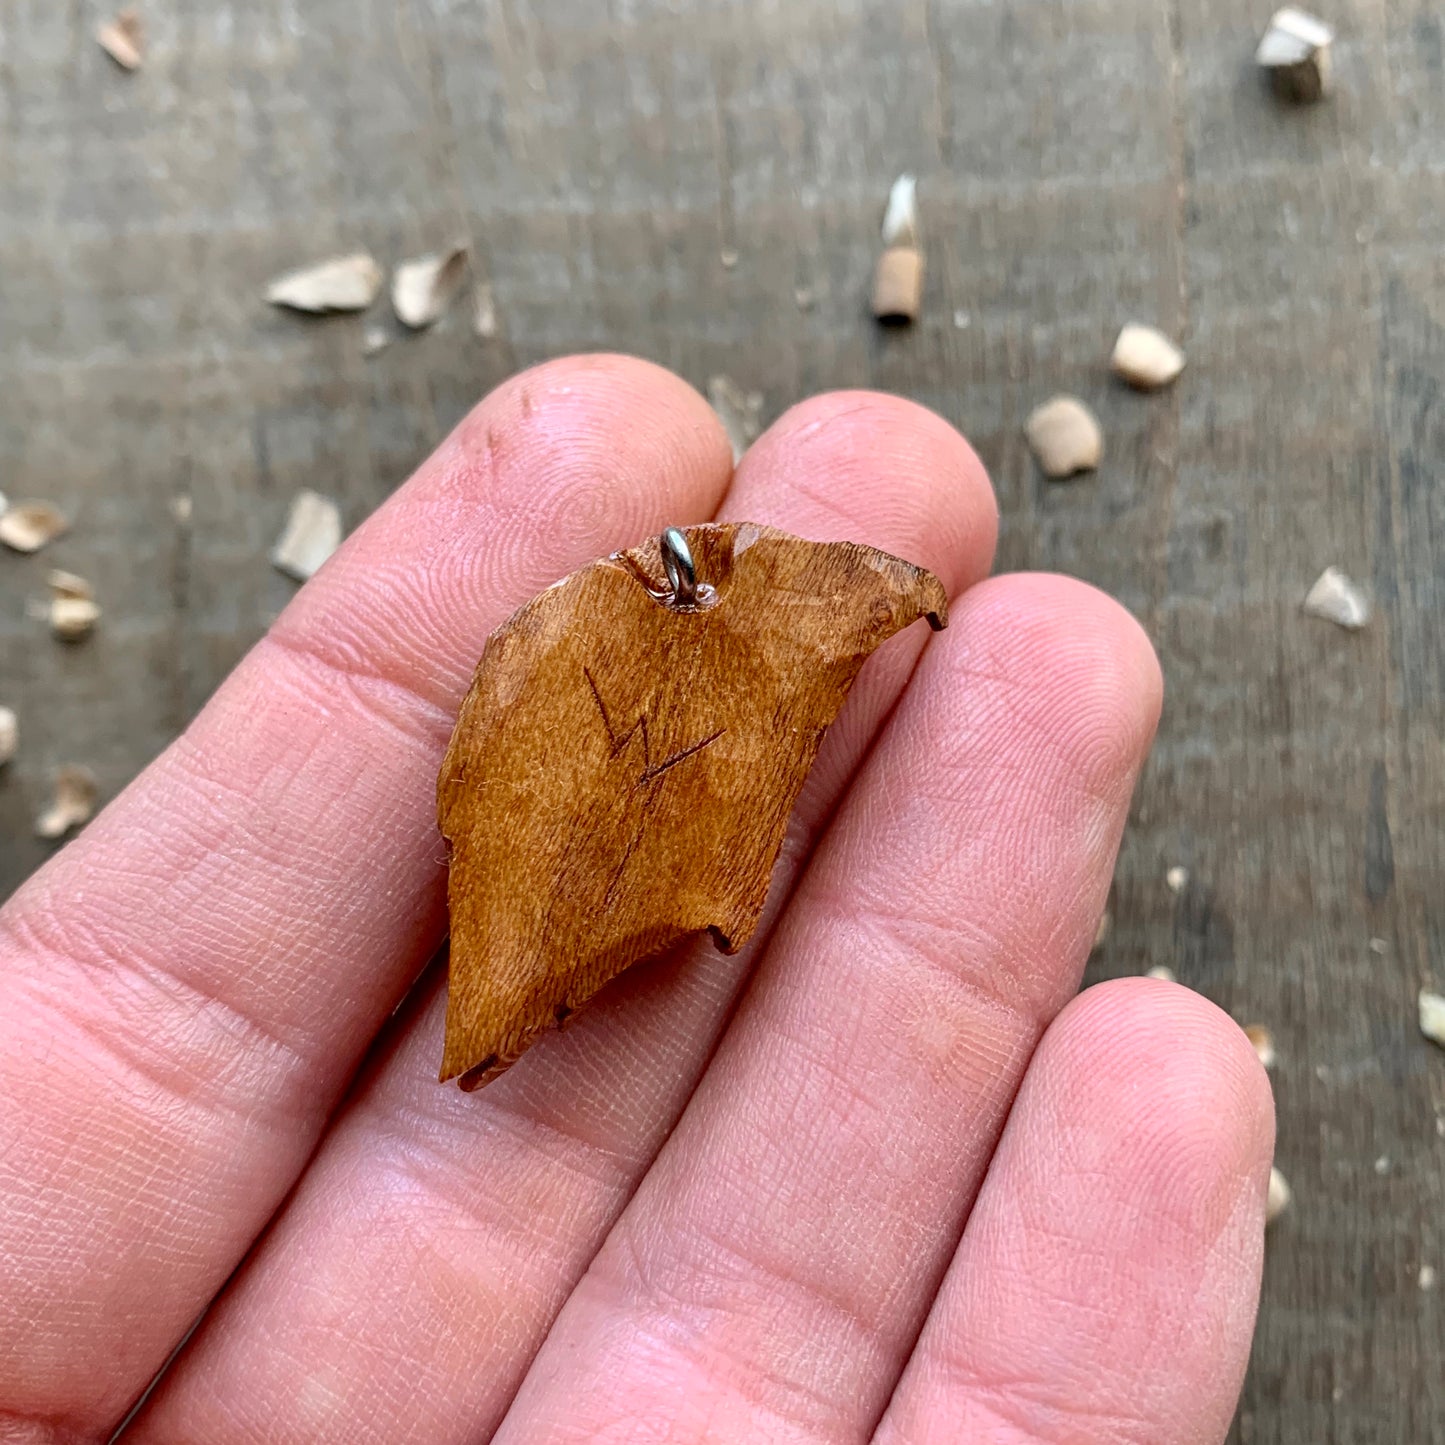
(623, 768)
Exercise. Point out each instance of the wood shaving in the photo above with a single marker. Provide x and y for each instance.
(1146, 358)
(1382, 1165)
(1065, 437)
(313, 533)
(1279, 1198)
(72, 804)
(423, 288)
(1162, 972)
(728, 257)
(1295, 51)
(900, 219)
(484, 312)
(804, 298)
(123, 40)
(28, 526)
(374, 339)
(741, 412)
(1426, 1278)
(1339, 600)
(1263, 1041)
(961, 320)
(1379, 946)
(181, 508)
(342, 283)
(1432, 1016)
(898, 286)
(1177, 878)
(67, 584)
(72, 611)
(9, 734)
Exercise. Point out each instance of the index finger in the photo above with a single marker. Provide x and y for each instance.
(186, 988)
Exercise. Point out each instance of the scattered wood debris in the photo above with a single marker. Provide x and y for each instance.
(9, 734)
(73, 611)
(741, 412)
(1432, 1016)
(72, 804)
(1065, 437)
(313, 533)
(1382, 1165)
(1339, 600)
(1279, 1198)
(728, 256)
(1426, 1278)
(1177, 878)
(1101, 932)
(961, 319)
(898, 286)
(423, 288)
(1379, 946)
(1146, 358)
(123, 40)
(28, 526)
(1263, 1041)
(1295, 52)
(342, 283)
(375, 338)
(900, 217)
(484, 312)
(1162, 972)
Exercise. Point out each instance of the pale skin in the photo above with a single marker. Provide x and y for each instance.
(882, 1176)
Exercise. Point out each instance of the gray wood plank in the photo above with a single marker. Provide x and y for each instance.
(1080, 164)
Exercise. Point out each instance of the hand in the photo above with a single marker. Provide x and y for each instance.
(875, 1176)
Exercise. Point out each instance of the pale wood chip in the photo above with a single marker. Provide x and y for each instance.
(1163, 972)
(72, 618)
(900, 219)
(1279, 1198)
(72, 804)
(741, 412)
(1263, 1041)
(1065, 437)
(1145, 357)
(423, 288)
(374, 339)
(313, 533)
(1432, 1016)
(28, 526)
(9, 734)
(898, 286)
(1295, 51)
(342, 283)
(1101, 932)
(123, 40)
(484, 312)
(728, 257)
(1177, 878)
(67, 584)
(1339, 600)
(1426, 1278)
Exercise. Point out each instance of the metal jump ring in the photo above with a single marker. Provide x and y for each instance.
(677, 563)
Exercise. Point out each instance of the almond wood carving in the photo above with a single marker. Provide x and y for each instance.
(622, 769)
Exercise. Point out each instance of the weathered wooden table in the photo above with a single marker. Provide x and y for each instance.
(1081, 162)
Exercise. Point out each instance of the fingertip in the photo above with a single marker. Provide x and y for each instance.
(1174, 1077)
(868, 467)
(1094, 685)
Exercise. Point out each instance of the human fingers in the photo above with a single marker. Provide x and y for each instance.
(770, 1275)
(408, 1285)
(186, 988)
(1105, 1289)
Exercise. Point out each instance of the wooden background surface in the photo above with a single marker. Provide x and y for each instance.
(1081, 162)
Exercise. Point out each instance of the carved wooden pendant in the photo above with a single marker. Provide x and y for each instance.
(624, 764)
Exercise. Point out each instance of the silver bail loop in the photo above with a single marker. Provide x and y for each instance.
(677, 563)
